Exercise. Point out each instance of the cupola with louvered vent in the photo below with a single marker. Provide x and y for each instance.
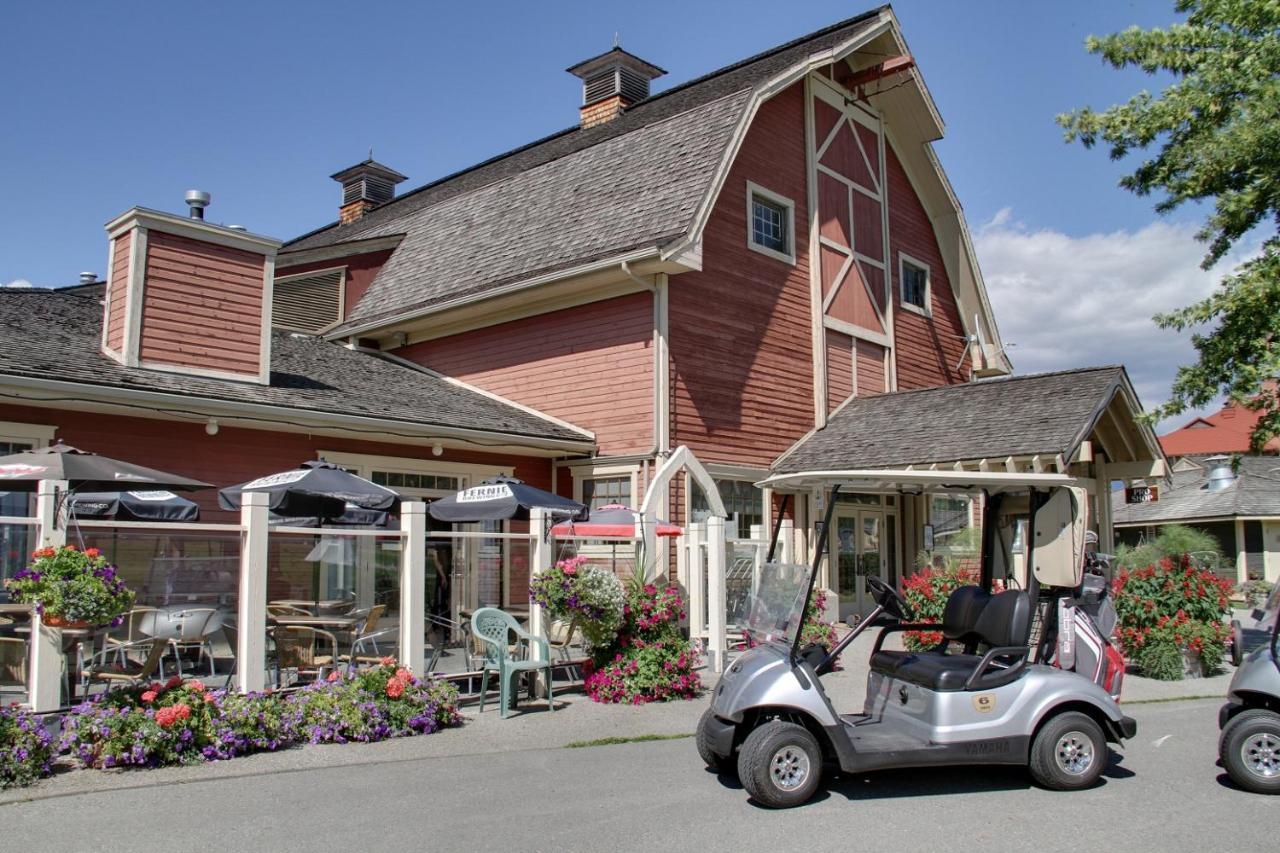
(611, 82)
(365, 185)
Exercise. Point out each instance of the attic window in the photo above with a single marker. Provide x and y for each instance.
(308, 302)
(914, 278)
(770, 224)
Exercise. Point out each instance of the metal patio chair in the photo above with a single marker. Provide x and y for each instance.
(495, 629)
(194, 634)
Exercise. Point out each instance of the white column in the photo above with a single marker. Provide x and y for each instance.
(786, 541)
(695, 567)
(539, 562)
(251, 607)
(44, 667)
(1242, 556)
(1106, 532)
(413, 585)
(716, 559)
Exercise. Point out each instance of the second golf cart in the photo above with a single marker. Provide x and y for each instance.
(987, 694)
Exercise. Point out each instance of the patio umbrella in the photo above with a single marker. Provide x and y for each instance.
(133, 506)
(315, 489)
(352, 516)
(610, 521)
(84, 470)
(501, 498)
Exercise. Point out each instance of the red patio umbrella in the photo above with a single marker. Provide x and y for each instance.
(610, 521)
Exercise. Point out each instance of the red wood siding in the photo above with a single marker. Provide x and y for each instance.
(361, 271)
(202, 305)
(116, 294)
(591, 365)
(740, 330)
(234, 455)
(928, 347)
(839, 368)
(870, 369)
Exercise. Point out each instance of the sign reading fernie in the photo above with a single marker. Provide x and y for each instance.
(1142, 495)
(479, 494)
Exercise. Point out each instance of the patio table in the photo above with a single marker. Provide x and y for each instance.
(312, 605)
(342, 622)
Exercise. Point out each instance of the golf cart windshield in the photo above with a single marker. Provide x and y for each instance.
(775, 610)
(1270, 611)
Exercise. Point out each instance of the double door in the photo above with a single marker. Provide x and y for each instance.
(862, 543)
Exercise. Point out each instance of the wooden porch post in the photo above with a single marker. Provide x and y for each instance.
(44, 669)
(413, 585)
(251, 606)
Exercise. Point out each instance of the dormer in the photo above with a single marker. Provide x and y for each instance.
(611, 82)
(188, 296)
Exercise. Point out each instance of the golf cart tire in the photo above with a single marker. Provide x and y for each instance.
(1243, 727)
(717, 762)
(1069, 729)
(799, 755)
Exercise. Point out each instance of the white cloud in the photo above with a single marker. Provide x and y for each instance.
(18, 282)
(1081, 301)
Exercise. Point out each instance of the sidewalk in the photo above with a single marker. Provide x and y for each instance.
(575, 720)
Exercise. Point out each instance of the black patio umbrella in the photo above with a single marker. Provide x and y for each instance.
(501, 498)
(315, 489)
(352, 516)
(157, 505)
(84, 470)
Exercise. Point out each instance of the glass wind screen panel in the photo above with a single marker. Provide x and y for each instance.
(602, 491)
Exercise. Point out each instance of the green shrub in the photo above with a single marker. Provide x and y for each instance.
(1161, 661)
(1172, 542)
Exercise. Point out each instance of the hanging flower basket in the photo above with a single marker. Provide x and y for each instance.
(72, 588)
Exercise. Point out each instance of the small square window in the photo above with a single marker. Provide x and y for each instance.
(770, 224)
(915, 286)
(604, 491)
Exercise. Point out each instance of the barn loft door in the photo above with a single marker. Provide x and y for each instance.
(851, 239)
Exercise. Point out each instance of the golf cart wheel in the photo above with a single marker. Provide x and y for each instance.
(780, 764)
(1250, 750)
(1069, 752)
(717, 762)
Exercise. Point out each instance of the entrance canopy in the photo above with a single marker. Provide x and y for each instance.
(1028, 431)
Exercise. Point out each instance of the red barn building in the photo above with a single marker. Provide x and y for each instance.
(720, 265)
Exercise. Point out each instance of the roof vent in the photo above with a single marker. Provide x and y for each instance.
(1222, 474)
(239, 228)
(198, 200)
(611, 82)
(88, 278)
(365, 186)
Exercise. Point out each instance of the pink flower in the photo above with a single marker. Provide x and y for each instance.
(196, 685)
(395, 688)
(333, 676)
(149, 696)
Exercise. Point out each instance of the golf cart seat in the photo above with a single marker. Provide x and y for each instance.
(1003, 625)
(959, 624)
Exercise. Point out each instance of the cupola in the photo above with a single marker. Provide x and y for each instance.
(611, 82)
(365, 185)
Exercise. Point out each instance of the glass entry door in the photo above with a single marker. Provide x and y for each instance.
(859, 550)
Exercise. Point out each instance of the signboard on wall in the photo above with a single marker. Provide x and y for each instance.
(1142, 494)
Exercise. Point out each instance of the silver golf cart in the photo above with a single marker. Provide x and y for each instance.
(985, 695)
(1249, 745)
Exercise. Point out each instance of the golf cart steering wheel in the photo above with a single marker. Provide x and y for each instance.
(888, 597)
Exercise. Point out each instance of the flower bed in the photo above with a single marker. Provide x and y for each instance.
(72, 586)
(1168, 608)
(184, 722)
(648, 660)
(26, 749)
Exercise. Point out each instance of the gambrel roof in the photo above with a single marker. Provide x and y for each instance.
(578, 196)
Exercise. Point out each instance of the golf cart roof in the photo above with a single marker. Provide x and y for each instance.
(909, 479)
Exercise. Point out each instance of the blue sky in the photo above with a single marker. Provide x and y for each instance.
(111, 105)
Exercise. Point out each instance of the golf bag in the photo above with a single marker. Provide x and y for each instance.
(1085, 624)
